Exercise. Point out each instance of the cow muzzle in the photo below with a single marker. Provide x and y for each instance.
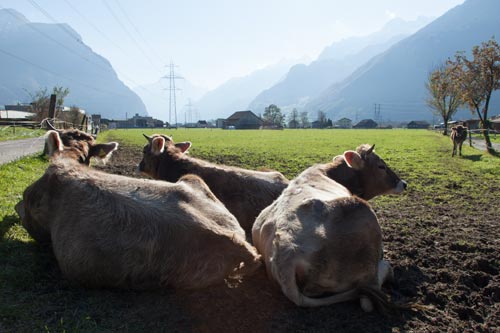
(400, 187)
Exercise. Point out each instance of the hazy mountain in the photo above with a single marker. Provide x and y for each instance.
(156, 99)
(237, 93)
(396, 79)
(335, 63)
(39, 55)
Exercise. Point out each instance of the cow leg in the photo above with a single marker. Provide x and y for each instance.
(460, 149)
(454, 149)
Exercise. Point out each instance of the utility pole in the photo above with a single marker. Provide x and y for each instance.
(377, 113)
(189, 111)
(172, 102)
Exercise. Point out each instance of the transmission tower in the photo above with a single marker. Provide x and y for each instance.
(172, 102)
(188, 116)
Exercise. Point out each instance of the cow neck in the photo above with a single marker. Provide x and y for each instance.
(339, 172)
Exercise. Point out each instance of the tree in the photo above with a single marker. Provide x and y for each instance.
(322, 119)
(40, 101)
(304, 119)
(477, 79)
(61, 94)
(444, 97)
(273, 116)
(293, 119)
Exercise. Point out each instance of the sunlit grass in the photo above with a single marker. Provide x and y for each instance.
(16, 133)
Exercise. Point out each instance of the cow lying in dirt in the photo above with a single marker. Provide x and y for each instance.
(245, 193)
(458, 136)
(113, 231)
(318, 239)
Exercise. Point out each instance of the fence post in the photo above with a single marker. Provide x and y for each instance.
(52, 108)
(470, 137)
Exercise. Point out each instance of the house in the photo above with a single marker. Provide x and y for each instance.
(9, 114)
(418, 124)
(495, 123)
(366, 123)
(202, 124)
(136, 122)
(344, 123)
(243, 120)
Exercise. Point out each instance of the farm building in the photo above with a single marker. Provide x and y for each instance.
(344, 123)
(417, 124)
(15, 115)
(243, 120)
(495, 123)
(136, 122)
(366, 123)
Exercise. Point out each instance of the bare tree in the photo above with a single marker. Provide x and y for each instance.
(444, 97)
(293, 119)
(322, 119)
(304, 119)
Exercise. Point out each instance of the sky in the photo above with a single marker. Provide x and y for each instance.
(211, 41)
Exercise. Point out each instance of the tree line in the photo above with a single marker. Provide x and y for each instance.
(273, 117)
(466, 81)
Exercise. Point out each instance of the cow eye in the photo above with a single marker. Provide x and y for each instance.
(383, 167)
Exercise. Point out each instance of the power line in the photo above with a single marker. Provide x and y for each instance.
(47, 15)
(60, 75)
(127, 17)
(94, 26)
(127, 32)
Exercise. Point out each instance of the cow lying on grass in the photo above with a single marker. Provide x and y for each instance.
(458, 136)
(318, 239)
(113, 231)
(245, 193)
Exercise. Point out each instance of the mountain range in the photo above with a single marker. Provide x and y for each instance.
(352, 78)
(395, 79)
(34, 56)
(335, 63)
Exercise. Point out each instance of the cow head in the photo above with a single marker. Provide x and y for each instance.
(160, 155)
(77, 145)
(374, 176)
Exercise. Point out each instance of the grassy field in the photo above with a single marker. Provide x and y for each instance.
(35, 297)
(16, 133)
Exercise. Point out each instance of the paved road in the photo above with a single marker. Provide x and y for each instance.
(478, 143)
(13, 150)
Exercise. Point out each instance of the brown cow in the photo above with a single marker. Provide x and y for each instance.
(244, 192)
(318, 238)
(114, 231)
(458, 136)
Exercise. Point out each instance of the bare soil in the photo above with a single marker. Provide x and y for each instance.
(444, 255)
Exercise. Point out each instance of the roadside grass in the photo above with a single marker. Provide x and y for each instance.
(15, 133)
(35, 297)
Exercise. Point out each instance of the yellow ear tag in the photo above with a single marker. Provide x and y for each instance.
(102, 153)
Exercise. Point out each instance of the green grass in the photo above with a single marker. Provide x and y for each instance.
(34, 297)
(16, 133)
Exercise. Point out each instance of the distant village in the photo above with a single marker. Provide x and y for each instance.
(22, 113)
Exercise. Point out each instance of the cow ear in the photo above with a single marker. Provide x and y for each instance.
(158, 145)
(353, 160)
(183, 146)
(54, 143)
(103, 150)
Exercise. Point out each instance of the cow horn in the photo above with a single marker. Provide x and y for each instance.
(369, 151)
(147, 137)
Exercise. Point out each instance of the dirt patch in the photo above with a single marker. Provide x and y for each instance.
(445, 255)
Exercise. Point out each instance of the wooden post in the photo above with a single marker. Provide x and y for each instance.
(83, 122)
(52, 108)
